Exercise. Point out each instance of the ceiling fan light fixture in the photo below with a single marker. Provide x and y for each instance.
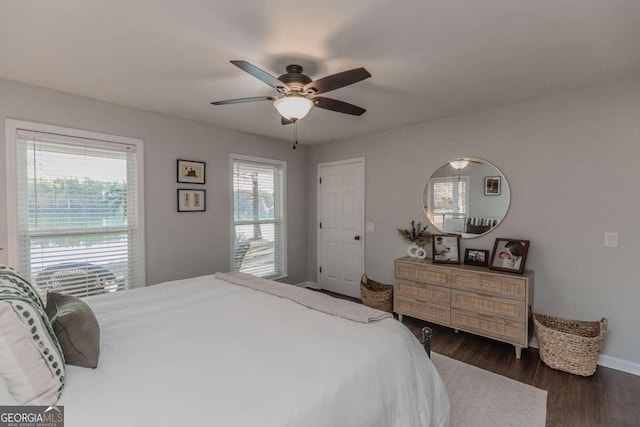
(459, 164)
(293, 107)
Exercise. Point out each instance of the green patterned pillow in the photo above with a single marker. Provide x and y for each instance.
(11, 280)
(31, 361)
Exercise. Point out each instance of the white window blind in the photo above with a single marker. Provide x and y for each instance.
(259, 217)
(449, 198)
(77, 213)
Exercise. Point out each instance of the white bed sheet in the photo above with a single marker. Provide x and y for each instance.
(205, 352)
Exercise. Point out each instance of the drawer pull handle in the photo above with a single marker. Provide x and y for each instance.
(484, 295)
(494, 319)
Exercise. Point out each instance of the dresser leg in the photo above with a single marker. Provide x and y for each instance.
(518, 351)
(400, 317)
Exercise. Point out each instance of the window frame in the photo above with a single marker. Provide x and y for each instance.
(448, 179)
(11, 150)
(269, 162)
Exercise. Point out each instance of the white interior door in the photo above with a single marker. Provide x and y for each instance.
(341, 225)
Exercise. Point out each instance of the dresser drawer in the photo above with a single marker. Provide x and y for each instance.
(500, 285)
(422, 310)
(422, 273)
(495, 327)
(424, 292)
(489, 304)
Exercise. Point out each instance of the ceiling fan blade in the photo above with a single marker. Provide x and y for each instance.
(243, 100)
(260, 75)
(336, 81)
(286, 121)
(339, 106)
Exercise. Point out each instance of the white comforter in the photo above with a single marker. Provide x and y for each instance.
(205, 352)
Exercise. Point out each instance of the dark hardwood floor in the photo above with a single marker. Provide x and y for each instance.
(609, 398)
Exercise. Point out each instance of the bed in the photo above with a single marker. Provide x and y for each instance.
(208, 352)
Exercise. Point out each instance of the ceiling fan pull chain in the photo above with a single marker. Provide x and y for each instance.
(295, 134)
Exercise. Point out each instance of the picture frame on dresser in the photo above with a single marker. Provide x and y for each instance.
(478, 257)
(509, 255)
(445, 248)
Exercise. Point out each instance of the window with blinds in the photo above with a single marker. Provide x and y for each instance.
(259, 216)
(449, 198)
(78, 223)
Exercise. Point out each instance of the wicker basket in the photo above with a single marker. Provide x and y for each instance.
(569, 345)
(376, 294)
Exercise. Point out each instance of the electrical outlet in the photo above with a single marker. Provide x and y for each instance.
(610, 240)
(371, 226)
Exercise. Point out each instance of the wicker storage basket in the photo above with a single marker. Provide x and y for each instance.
(376, 294)
(569, 345)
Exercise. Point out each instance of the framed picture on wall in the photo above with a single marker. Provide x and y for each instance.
(492, 185)
(445, 248)
(509, 255)
(479, 257)
(191, 171)
(191, 200)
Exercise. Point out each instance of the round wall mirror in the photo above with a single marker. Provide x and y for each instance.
(467, 196)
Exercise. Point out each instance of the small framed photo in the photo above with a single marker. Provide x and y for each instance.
(191, 200)
(509, 255)
(478, 257)
(492, 185)
(445, 248)
(191, 171)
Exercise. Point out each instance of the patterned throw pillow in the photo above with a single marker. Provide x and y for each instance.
(31, 361)
(11, 281)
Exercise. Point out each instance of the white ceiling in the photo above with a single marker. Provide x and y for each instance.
(429, 59)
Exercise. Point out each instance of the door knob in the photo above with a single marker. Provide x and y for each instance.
(357, 238)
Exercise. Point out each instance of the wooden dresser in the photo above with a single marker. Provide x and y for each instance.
(484, 302)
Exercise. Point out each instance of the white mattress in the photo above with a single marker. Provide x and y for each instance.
(209, 353)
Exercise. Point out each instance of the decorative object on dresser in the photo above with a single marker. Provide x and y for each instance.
(191, 200)
(509, 255)
(191, 171)
(467, 298)
(418, 236)
(479, 257)
(376, 295)
(445, 249)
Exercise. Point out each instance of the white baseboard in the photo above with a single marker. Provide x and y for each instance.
(308, 284)
(607, 361)
(619, 364)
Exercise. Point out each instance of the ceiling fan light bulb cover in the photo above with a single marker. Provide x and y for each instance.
(459, 164)
(293, 107)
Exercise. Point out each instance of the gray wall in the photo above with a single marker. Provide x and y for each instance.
(572, 165)
(177, 245)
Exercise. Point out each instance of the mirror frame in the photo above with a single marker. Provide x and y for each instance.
(504, 185)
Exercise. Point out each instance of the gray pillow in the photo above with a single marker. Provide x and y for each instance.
(77, 329)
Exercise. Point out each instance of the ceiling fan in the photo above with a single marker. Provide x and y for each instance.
(297, 93)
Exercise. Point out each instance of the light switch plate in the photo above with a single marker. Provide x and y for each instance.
(371, 226)
(610, 240)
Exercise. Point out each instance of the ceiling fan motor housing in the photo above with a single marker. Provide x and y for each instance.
(294, 77)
